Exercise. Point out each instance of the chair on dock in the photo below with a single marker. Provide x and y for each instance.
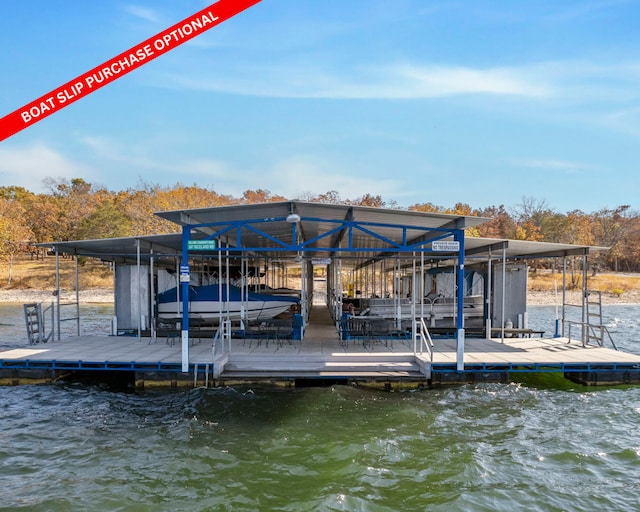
(166, 328)
(273, 330)
(353, 328)
(379, 330)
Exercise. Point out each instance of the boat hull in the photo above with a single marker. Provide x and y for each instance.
(204, 302)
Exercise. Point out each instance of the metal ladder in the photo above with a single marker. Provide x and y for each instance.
(34, 317)
(595, 330)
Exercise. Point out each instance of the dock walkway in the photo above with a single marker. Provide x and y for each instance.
(323, 355)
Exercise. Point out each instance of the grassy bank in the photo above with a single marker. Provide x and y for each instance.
(31, 274)
(612, 284)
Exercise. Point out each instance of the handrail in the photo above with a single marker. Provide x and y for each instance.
(610, 337)
(586, 327)
(49, 336)
(420, 330)
(223, 333)
(216, 337)
(70, 318)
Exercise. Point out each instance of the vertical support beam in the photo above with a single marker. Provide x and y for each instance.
(139, 298)
(564, 292)
(184, 285)
(504, 291)
(294, 234)
(58, 291)
(459, 237)
(77, 296)
(152, 295)
(423, 292)
(414, 290)
(488, 294)
(220, 283)
(585, 320)
(114, 320)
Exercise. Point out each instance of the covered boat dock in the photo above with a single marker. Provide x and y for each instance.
(387, 296)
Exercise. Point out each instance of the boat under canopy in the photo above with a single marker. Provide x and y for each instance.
(382, 261)
(209, 302)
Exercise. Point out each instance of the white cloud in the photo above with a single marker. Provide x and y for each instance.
(625, 121)
(291, 176)
(298, 175)
(143, 13)
(397, 81)
(554, 165)
(566, 83)
(450, 81)
(28, 166)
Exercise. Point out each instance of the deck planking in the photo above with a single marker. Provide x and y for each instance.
(122, 349)
(321, 351)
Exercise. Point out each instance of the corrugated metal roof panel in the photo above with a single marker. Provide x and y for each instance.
(375, 226)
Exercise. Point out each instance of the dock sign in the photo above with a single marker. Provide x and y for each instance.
(445, 246)
(202, 245)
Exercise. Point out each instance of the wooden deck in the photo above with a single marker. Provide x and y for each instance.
(322, 354)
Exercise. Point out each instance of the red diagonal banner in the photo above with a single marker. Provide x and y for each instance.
(120, 65)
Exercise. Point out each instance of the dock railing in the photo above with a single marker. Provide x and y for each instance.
(590, 332)
(222, 335)
(422, 337)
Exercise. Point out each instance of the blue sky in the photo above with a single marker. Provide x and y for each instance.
(480, 102)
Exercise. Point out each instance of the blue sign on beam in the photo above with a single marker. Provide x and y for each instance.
(202, 245)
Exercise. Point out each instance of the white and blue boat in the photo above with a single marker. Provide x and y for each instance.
(210, 302)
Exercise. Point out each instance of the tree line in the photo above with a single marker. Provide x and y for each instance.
(75, 210)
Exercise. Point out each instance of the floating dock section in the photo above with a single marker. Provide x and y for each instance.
(386, 297)
(321, 357)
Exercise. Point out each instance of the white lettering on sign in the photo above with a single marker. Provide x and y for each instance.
(445, 246)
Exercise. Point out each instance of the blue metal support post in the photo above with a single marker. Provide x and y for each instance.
(184, 288)
(459, 237)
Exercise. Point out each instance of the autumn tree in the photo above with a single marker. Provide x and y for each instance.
(368, 200)
(329, 197)
(427, 208)
(501, 224)
(108, 220)
(74, 200)
(260, 196)
(578, 229)
(15, 236)
(141, 203)
(613, 228)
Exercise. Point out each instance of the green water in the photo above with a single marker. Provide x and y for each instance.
(541, 444)
(488, 447)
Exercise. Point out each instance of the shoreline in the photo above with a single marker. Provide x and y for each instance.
(105, 296)
(551, 298)
(93, 296)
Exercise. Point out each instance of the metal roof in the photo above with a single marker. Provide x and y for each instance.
(334, 212)
(356, 232)
(523, 248)
(265, 228)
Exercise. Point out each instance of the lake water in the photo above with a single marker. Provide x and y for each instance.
(540, 444)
